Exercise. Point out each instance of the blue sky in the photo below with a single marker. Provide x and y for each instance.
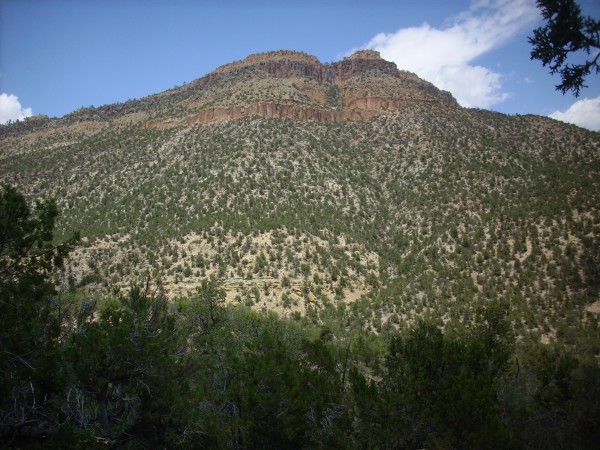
(59, 55)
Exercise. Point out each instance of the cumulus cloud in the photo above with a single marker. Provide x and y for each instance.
(11, 109)
(585, 113)
(444, 56)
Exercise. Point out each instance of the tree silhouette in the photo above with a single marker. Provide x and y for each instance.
(567, 33)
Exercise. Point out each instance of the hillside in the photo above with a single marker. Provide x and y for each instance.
(350, 189)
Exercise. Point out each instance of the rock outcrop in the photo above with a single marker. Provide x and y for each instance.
(273, 84)
(274, 109)
(361, 62)
(360, 86)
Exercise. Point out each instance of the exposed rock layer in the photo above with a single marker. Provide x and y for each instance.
(356, 88)
(274, 84)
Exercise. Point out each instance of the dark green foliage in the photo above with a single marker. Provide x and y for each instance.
(124, 358)
(553, 401)
(27, 253)
(333, 96)
(436, 392)
(31, 316)
(287, 397)
(566, 33)
(204, 310)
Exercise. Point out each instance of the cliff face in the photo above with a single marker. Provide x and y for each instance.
(274, 84)
(297, 85)
(362, 62)
(274, 109)
(280, 64)
(288, 64)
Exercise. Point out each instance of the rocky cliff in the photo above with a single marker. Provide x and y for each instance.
(273, 84)
(297, 85)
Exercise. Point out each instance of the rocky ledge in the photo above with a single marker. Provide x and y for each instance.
(357, 87)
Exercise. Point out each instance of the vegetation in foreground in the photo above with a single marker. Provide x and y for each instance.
(136, 371)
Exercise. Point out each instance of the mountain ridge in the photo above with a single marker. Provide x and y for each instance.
(304, 102)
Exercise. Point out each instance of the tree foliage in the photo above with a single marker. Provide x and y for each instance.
(567, 33)
(437, 392)
(31, 369)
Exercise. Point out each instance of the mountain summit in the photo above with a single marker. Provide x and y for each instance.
(297, 85)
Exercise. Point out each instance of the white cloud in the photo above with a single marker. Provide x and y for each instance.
(444, 56)
(473, 86)
(11, 109)
(585, 113)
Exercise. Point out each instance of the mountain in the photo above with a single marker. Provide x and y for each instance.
(350, 189)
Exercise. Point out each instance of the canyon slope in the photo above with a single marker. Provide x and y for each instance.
(351, 189)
